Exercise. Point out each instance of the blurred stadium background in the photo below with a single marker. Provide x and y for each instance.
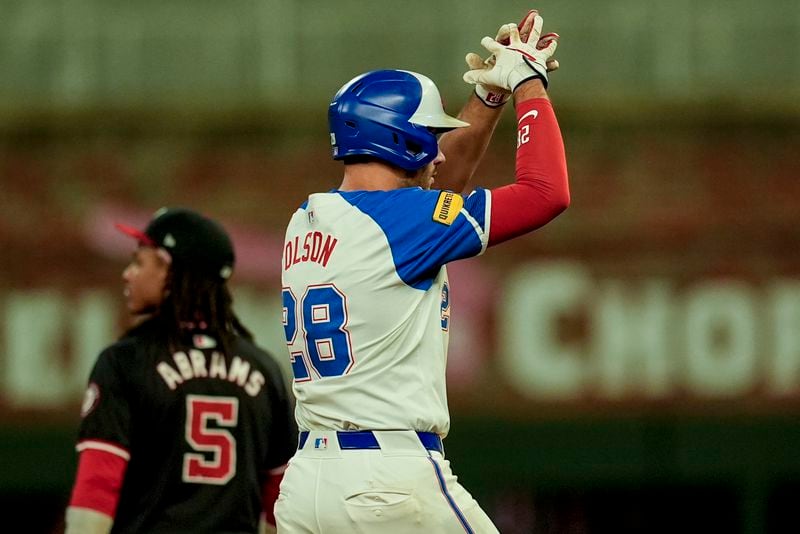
(632, 367)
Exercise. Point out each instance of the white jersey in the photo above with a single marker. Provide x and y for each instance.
(366, 304)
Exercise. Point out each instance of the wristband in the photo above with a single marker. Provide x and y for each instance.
(491, 98)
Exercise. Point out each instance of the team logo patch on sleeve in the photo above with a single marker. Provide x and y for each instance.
(447, 207)
(91, 398)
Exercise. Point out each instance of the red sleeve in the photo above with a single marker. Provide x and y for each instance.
(99, 480)
(269, 493)
(541, 189)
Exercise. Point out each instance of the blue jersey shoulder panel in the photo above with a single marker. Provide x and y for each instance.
(419, 244)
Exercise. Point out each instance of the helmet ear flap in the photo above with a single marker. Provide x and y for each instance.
(413, 147)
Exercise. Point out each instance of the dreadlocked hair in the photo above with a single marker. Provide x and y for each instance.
(193, 299)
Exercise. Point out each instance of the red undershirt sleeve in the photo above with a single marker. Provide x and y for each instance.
(541, 188)
(98, 481)
(269, 493)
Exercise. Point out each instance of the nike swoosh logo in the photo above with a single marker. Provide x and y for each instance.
(532, 113)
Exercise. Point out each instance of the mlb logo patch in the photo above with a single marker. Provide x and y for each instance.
(202, 341)
(321, 443)
(90, 399)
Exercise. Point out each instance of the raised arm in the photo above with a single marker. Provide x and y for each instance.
(540, 190)
(464, 148)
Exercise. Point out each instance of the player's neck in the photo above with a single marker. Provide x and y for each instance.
(373, 176)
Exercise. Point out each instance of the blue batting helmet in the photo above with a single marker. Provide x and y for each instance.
(392, 115)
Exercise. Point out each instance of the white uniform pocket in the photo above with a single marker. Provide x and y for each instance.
(384, 507)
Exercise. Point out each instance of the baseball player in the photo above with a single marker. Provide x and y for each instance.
(187, 425)
(366, 299)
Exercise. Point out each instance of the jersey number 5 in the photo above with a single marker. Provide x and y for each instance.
(215, 461)
(322, 315)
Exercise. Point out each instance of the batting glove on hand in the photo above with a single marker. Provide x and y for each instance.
(516, 62)
(526, 26)
(497, 96)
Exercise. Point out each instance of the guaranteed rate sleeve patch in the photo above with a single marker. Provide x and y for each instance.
(447, 207)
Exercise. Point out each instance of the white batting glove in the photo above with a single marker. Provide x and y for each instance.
(492, 96)
(525, 28)
(544, 41)
(516, 62)
(497, 96)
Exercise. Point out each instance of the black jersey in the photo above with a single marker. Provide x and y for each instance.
(200, 429)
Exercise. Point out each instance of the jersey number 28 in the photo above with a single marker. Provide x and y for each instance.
(321, 314)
